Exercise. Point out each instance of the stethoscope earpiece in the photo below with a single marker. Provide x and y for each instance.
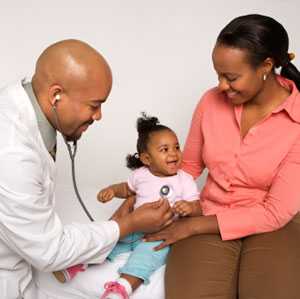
(57, 98)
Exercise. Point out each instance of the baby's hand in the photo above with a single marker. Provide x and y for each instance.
(183, 208)
(106, 194)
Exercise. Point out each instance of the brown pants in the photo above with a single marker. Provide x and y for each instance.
(265, 266)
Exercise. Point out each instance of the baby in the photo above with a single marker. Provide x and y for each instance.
(156, 174)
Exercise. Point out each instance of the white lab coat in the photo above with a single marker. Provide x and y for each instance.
(31, 234)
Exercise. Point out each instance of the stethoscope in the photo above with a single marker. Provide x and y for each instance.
(165, 191)
(72, 154)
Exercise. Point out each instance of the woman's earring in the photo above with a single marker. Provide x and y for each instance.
(265, 77)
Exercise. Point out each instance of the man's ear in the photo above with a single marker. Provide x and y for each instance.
(53, 91)
(145, 158)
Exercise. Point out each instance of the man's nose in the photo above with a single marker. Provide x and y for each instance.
(98, 114)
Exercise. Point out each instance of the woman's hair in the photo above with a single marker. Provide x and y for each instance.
(146, 125)
(262, 37)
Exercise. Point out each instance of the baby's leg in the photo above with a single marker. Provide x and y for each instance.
(142, 262)
(122, 287)
(69, 273)
(134, 281)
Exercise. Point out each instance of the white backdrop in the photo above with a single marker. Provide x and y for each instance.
(160, 55)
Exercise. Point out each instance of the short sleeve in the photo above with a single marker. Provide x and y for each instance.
(190, 189)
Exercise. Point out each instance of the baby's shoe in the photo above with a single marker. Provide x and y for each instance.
(114, 290)
(69, 273)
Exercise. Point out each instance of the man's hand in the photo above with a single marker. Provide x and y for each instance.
(106, 194)
(149, 217)
(154, 216)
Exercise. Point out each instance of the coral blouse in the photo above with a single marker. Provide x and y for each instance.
(253, 183)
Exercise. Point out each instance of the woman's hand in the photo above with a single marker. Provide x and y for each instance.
(184, 228)
(178, 230)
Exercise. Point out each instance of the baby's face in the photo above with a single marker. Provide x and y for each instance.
(164, 153)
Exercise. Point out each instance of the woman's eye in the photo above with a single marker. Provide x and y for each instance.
(227, 78)
(231, 79)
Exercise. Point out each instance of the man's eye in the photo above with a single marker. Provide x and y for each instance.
(231, 79)
(95, 106)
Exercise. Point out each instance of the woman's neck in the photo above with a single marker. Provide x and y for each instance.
(271, 95)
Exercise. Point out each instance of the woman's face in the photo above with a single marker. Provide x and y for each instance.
(238, 80)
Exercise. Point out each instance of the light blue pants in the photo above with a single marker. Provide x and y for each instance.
(143, 260)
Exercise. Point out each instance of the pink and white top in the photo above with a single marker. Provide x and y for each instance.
(147, 186)
(253, 185)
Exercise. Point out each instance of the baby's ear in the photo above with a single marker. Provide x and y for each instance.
(145, 158)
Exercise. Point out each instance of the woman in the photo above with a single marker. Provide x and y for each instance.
(246, 132)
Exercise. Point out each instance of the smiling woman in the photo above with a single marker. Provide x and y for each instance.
(251, 196)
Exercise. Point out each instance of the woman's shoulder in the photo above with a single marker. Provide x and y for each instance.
(212, 98)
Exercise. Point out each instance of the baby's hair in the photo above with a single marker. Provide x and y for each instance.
(146, 125)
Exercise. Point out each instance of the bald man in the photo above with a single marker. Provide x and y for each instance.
(70, 84)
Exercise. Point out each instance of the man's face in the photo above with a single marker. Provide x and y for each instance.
(79, 107)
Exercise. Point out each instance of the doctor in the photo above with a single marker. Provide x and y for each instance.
(75, 80)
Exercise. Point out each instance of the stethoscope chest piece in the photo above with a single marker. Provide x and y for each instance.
(165, 191)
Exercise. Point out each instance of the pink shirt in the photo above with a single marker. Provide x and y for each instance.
(253, 185)
(147, 186)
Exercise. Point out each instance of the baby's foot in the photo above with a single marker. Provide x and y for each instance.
(114, 290)
(68, 274)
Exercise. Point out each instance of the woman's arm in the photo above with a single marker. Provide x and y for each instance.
(184, 228)
(192, 161)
